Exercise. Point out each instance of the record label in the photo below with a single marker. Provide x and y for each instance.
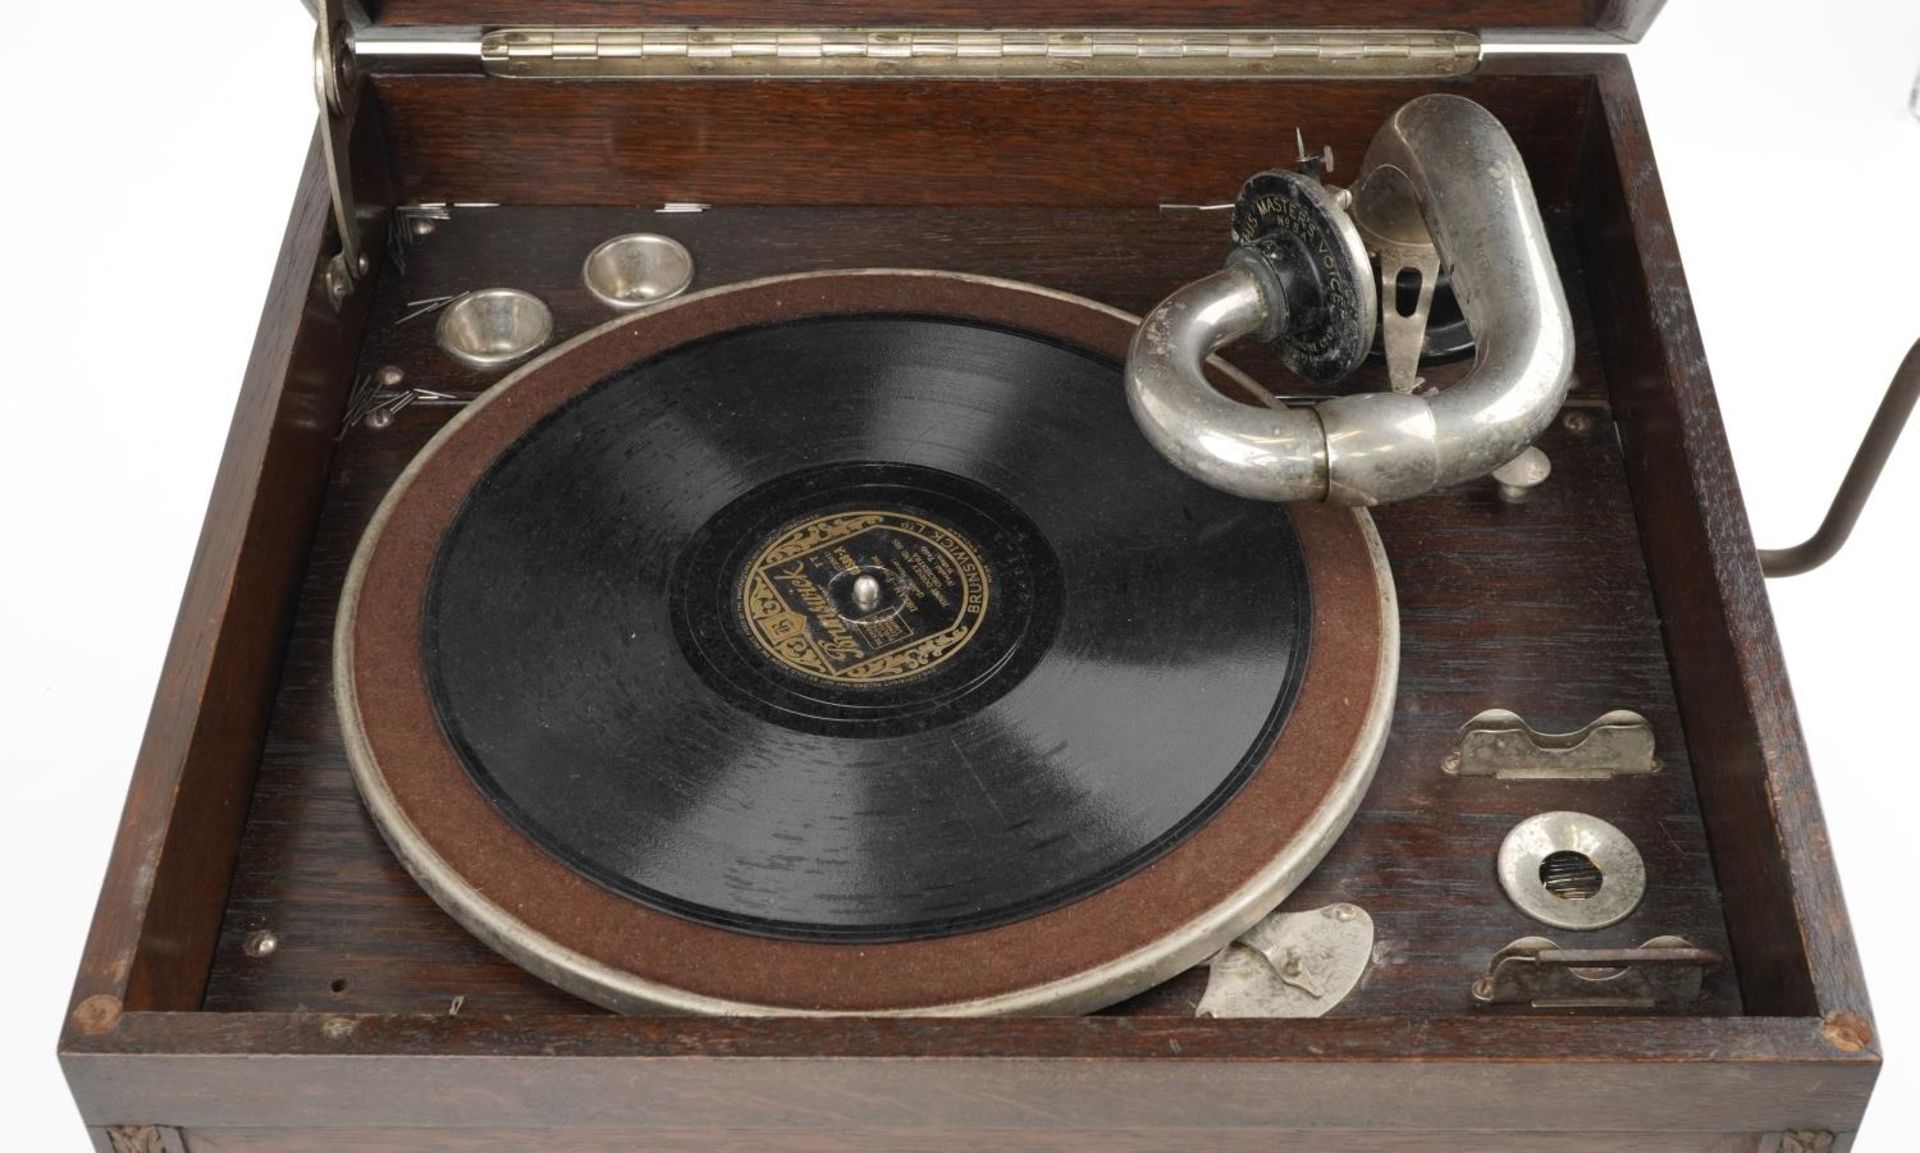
(865, 597)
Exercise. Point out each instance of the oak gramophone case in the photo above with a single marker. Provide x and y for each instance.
(308, 940)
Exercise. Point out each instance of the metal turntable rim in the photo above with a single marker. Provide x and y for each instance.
(619, 954)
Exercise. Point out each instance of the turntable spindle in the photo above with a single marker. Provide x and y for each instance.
(866, 593)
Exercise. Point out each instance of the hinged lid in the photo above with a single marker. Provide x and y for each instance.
(1600, 21)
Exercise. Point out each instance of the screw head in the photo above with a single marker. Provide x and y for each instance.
(261, 943)
(346, 68)
(338, 284)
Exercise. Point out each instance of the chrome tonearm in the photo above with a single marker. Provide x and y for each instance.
(1300, 278)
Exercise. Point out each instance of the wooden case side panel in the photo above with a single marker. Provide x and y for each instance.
(1073, 143)
(161, 904)
(1792, 941)
(822, 1078)
(556, 1140)
(1627, 20)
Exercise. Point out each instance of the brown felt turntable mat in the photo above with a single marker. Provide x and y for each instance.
(464, 811)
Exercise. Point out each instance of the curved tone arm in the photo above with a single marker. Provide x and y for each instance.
(1450, 161)
(1263, 453)
(1875, 447)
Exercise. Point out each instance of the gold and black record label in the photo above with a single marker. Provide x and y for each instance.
(866, 596)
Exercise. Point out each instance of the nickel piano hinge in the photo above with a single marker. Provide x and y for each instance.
(640, 53)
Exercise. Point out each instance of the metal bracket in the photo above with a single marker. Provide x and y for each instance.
(1400, 244)
(1497, 743)
(1664, 973)
(1861, 476)
(1290, 965)
(336, 87)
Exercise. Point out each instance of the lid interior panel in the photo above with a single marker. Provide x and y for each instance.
(1556, 19)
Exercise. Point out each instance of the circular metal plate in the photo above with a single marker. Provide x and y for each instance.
(1311, 243)
(1572, 871)
(1089, 948)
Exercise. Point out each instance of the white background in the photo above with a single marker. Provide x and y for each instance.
(148, 156)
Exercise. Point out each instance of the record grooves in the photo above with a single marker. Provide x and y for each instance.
(660, 678)
(834, 643)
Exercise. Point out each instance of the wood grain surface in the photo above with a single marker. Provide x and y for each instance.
(1791, 932)
(961, 1141)
(786, 1080)
(154, 934)
(1061, 143)
(1542, 607)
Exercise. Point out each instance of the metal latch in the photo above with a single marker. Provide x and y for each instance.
(629, 53)
(1664, 973)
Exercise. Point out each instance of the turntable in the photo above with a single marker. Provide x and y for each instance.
(919, 589)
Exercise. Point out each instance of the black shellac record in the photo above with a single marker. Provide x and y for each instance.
(875, 628)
